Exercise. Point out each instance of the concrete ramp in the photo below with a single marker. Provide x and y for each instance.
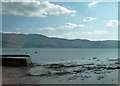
(15, 60)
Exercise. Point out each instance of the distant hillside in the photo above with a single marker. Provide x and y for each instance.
(13, 40)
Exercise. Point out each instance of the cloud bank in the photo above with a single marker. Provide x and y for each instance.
(36, 9)
(65, 26)
(98, 34)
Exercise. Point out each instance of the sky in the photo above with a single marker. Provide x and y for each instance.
(71, 20)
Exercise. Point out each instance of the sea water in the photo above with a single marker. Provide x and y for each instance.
(47, 56)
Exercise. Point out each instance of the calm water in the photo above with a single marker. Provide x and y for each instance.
(72, 56)
(61, 54)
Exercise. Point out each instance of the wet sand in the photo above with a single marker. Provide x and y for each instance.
(63, 73)
(12, 75)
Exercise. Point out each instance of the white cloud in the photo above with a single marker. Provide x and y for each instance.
(47, 29)
(94, 32)
(87, 35)
(89, 19)
(36, 8)
(112, 23)
(92, 4)
(70, 26)
(66, 26)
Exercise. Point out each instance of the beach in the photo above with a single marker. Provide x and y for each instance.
(66, 73)
(64, 66)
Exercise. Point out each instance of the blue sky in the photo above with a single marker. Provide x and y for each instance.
(72, 20)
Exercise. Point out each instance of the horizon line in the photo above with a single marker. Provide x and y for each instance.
(58, 37)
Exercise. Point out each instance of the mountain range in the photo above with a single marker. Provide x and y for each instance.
(13, 40)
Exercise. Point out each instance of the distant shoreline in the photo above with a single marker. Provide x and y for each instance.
(12, 40)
